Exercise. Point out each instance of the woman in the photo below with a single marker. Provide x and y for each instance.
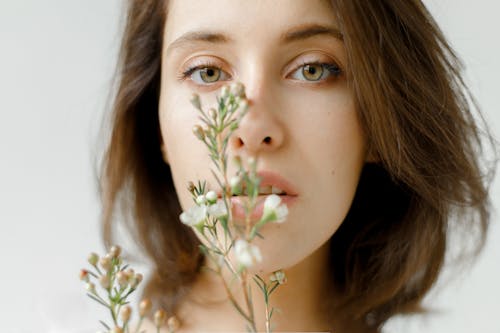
(358, 107)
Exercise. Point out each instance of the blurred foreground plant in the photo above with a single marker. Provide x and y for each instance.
(210, 214)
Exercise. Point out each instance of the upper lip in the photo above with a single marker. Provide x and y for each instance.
(271, 178)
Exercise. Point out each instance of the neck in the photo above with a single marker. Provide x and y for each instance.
(300, 300)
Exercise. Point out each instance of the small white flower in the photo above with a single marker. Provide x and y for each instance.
(246, 253)
(194, 215)
(201, 200)
(272, 202)
(274, 211)
(236, 185)
(218, 209)
(211, 196)
(234, 181)
(278, 276)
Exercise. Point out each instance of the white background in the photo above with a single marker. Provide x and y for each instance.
(56, 63)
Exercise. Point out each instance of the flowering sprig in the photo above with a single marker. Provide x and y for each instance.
(108, 274)
(210, 211)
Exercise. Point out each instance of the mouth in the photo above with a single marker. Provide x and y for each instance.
(270, 183)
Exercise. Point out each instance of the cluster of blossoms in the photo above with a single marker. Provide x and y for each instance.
(209, 212)
(118, 282)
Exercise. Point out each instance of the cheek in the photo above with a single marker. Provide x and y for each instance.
(177, 119)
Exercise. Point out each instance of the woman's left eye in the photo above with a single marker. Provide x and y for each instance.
(316, 71)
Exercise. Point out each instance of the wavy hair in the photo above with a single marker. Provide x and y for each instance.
(414, 108)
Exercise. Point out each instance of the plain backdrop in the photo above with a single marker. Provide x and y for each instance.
(56, 63)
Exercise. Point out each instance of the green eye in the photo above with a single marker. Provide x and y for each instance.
(210, 74)
(316, 71)
(312, 72)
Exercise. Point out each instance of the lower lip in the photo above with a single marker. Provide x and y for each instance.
(238, 204)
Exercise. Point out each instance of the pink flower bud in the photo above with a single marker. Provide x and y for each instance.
(84, 275)
(105, 282)
(144, 307)
(130, 274)
(105, 262)
(159, 318)
(122, 279)
(115, 251)
(173, 324)
(125, 313)
(136, 279)
(199, 132)
(117, 329)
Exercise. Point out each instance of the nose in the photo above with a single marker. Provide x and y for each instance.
(260, 131)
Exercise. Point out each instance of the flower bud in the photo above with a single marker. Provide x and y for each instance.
(199, 132)
(159, 318)
(243, 105)
(115, 251)
(105, 262)
(117, 329)
(195, 100)
(236, 186)
(125, 313)
(212, 114)
(237, 161)
(211, 197)
(105, 282)
(201, 200)
(237, 89)
(252, 163)
(136, 279)
(90, 287)
(122, 279)
(93, 258)
(278, 276)
(84, 275)
(130, 274)
(144, 307)
(233, 125)
(173, 324)
(191, 187)
(224, 92)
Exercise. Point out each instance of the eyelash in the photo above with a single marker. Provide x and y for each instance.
(331, 67)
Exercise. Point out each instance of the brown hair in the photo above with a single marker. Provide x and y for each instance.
(412, 104)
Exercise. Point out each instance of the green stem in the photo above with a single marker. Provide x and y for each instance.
(139, 325)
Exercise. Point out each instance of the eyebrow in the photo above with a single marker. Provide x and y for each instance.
(294, 34)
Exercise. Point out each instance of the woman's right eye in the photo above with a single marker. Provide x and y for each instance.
(205, 74)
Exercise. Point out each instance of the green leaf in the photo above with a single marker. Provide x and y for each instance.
(105, 325)
(98, 300)
(259, 285)
(273, 287)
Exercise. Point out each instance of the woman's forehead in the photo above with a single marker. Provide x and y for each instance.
(231, 21)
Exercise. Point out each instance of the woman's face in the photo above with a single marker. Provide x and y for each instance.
(291, 59)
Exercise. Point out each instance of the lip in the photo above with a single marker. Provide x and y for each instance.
(238, 206)
(267, 178)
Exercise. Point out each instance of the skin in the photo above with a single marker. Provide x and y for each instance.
(316, 140)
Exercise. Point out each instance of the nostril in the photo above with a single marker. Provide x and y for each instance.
(267, 139)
